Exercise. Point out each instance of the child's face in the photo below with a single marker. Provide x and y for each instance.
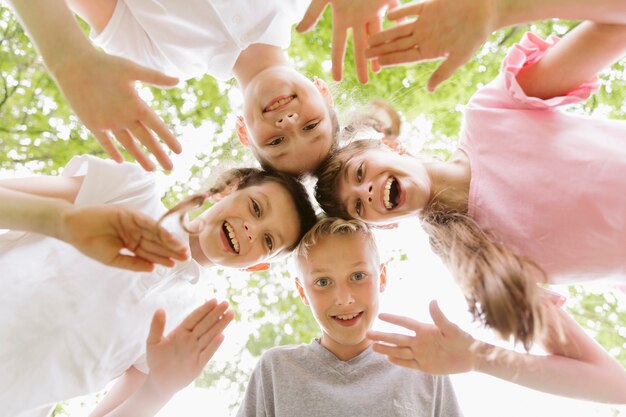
(249, 226)
(340, 282)
(380, 186)
(288, 120)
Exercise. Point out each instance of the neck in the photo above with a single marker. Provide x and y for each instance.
(344, 352)
(255, 59)
(450, 182)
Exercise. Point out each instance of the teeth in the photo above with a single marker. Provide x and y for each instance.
(387, 202)
(279, 103)
(232, 237)
(347, 316)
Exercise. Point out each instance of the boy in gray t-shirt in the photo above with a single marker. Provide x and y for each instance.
(339, 374)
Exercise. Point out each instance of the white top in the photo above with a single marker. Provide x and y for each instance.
(68, 324)
(196, 37)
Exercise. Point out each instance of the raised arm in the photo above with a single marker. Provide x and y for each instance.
(455, 29)
(99, 87)
(44, 205)
(577, 367)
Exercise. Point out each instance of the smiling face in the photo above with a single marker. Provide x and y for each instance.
(288, 120)
(250, 225)
(380, 186)
(341, 279)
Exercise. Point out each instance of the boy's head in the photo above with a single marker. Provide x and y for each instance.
(290, 124)
(340, 278)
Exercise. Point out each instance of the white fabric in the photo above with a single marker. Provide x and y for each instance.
(68, 324)
(196, 37)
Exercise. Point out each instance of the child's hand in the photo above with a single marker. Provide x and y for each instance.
(101, 231)
(101, 90)
(177, 359)
(365, 19)
(439, 349)
(449, 29)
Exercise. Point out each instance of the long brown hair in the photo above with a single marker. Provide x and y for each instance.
(240, 178)
(499, 285)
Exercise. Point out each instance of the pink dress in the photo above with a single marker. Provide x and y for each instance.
(550, 185)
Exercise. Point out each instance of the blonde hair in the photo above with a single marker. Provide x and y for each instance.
(330, 226)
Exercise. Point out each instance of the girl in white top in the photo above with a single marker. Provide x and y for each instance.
(69, 323)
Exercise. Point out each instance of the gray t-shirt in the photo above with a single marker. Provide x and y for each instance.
(309, 381)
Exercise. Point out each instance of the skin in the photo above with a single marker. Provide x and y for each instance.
(341, 276)
(294, 136)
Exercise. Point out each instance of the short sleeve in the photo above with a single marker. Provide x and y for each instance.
(505, 92)
(107, 182)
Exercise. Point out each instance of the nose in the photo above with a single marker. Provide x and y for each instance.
(364, 191)
(286, 120)
(343, 295)
(250, 231)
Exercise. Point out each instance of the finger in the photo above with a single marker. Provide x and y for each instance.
(405, 363)
(397, 45)
(195, 316)
(154, 123)
(373, 27)
(391, 338)
(388, 35)
(151, 76)
(312, 15)
(158, 249)
(440, 320)
(394, 351)
(359, 38)
(402, 57)
(107, 144)
(338, 50)
(153, 258)
(148, 229)
(216, 329)
(127, 141)
(413, 9)
(402, 321)
(148, 140)
(446, 69)
(132, 263)
(209, 320)
(208, 352)
(156, 327)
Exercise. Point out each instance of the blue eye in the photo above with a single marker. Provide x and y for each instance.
(276, 141)
(358, 276)
(322, 282)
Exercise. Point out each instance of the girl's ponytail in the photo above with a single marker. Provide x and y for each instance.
(499, 286)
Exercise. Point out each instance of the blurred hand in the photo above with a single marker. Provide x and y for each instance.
(365, 19)
(449, 29)
(101, 90)
(439, 349)
(177, 359)
(102, 231)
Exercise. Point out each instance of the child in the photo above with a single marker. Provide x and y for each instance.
(70, 324)
(529, 197)
(339, 374)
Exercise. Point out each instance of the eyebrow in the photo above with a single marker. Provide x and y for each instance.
(324, 270)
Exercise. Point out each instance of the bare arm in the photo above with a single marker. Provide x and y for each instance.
(577, 367)
(575, 59)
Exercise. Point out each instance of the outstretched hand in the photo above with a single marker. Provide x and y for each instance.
(177, 359)
(448, 29)
(102, 231)
(101, 90)
(365, 19)
(441, 348)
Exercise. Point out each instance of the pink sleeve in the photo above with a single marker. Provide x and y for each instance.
(505, 92)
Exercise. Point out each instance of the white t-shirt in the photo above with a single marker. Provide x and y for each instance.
(68, 324)
(196, 37)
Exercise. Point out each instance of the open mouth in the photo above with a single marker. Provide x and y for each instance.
(391, 196)
(230, 236)
(348, 319)
(278, 103)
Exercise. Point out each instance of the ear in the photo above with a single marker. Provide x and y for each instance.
(301, 292)
(322, 87)
(385, 226)
(392, 142)
(242, 131)
(383, 277)
(258, 267)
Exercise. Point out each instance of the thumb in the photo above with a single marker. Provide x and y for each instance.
(153, 77)
(157, 327)
(440, 320)
(312, 15)
(445, 70)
